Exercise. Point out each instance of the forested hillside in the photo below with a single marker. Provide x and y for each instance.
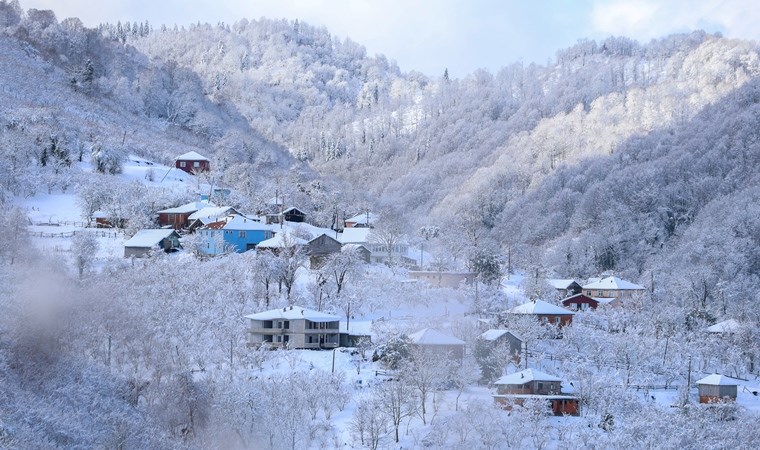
(637, 159)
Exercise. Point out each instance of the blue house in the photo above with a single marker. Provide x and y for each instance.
(235, 232)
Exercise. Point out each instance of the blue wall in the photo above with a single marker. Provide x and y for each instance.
(238, 239)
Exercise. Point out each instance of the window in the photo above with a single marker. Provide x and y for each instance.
(286, 324)
(182, 164)
(285, 338)
(242, 234)
(556, 320)
(196, 164)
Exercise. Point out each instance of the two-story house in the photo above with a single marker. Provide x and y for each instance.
(531, 384)
(235, 232)
(613, 287)
(294, 327)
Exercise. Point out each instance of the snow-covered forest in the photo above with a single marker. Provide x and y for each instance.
(638, 160)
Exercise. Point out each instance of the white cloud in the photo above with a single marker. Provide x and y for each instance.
(647, 19)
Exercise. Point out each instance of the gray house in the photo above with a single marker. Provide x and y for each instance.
(320, 248)
(509, 339)
(145, 241)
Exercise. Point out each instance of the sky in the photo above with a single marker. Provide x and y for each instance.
(430, 36)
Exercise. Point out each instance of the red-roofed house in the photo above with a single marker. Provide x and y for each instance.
(545, 312)
(192, 162)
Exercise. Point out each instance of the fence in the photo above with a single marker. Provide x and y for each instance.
(70, 234)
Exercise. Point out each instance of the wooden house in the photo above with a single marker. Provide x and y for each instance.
(320, 248)
(192, 162)
(545, 312)
(516, 388)
(282, 242)
(717, 389)
(510, 340)
(435, 341)
(179, 216)
(565, 287)
(613, 287)
(582, 302)
(364, 254)
(294, 327)
(208, 215)
(235, 232)
(146, 241)
(294, 214)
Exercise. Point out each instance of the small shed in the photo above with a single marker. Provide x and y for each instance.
(436, 341)
(192, 162)
(717, 388)
(145, 241)
(294, 214)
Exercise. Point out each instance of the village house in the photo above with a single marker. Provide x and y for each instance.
(320, 248)
(435, 341)
(235, 232)
(545, 312)
(582, 302)
(516, 388)
(717, 389)
(207, 215)
(192, 162)
(179, 216)
(613, 287)
(443, 279)
(146, 241)
(364, 254)
(282, 241)
(565, 287)
(510, 340)
(363, 220)
(294, 327)
(378, 251)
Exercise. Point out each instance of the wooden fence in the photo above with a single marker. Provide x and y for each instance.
(70, 234)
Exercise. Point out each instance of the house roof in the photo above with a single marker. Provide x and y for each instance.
(352, 247)
(186, 208)
(294, 313)
(280, 241)
(614, 283)
(540, 307)
(293, 208)
(526, 376)
(325, 235)
(355, 235)
(727, 326)
(431, 336)
(718, 380)
(212, 211)
(361, 219)
(192, 156)
(563, 283)
(238, 222)
(492, 335)
(149, 238)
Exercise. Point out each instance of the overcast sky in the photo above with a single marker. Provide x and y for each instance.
(431, 35)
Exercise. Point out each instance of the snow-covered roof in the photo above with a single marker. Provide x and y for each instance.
(294, 313)
(492, 335)
(148, 238)
(431, 336)
(355, 235)
(187, 208)
(614, 283)
(351, 247)
(540, 307)
(361, 219)
(526, 376)
(239, 222)
(192, 156)
(558, 283)
(280, 241)
(727, 326)
(212, 211)
(718, 380)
